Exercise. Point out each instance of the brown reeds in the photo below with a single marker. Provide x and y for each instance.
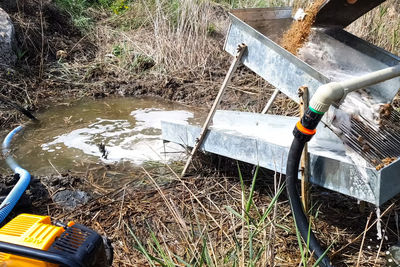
(380, 26)
(211, 214)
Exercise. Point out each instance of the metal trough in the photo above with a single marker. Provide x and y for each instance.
(269, 137)
(261, 28)
(265, 139)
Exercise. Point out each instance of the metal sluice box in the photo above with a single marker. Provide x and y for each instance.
(337, 55)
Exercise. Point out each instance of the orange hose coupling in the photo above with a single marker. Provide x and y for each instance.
(304, 130)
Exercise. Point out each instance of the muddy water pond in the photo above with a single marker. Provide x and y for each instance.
(111, 131)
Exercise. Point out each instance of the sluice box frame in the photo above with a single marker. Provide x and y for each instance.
(259, 29)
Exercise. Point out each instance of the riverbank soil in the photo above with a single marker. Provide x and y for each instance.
(100, 49)
(188, 216)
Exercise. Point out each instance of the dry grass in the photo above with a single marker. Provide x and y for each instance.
(185, 43)
(380, 26)
(179, 37)
(215, 219)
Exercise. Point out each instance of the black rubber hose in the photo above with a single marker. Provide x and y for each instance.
(292, 169)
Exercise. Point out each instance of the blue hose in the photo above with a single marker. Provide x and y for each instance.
(11, 200)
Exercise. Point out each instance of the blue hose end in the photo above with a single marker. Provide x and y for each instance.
(25, 178)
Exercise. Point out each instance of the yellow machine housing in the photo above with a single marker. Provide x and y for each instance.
(31, 231)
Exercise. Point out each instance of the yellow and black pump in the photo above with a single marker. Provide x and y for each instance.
(32, 241)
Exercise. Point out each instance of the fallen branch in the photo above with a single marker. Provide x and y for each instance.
(6, 100)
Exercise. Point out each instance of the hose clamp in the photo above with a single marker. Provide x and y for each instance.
(304, 130)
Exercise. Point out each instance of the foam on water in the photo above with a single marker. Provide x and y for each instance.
(151, 118)
(137, 142)
(68, 136)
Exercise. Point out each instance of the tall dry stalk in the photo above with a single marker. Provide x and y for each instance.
(181, 34)
(381, 26)
(178, 36)
(42, 41)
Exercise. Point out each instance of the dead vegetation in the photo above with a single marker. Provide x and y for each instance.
(177, 54)
(150, 48)
(41, 31)
(380, 26)
(213, 217)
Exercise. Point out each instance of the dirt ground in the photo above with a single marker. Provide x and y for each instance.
(140, 206)
(44, 77)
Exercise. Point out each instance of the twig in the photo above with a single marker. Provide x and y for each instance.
(17, 107)
(363, 239)
(170, 205)
(360, 235)
(72, 49)
(242, 226)
(42, 35)
(198, 201)
(243, 91)
(59, 174)
(120, 210)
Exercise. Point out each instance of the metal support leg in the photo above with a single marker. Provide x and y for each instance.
(270, 101)
(240, 50)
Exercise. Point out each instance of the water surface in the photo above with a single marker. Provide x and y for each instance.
(69, 136)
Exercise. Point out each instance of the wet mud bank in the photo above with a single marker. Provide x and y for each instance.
(77, 152)
(68, 63)
(42, 192)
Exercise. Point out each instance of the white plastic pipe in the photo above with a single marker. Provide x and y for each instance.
(333, 92)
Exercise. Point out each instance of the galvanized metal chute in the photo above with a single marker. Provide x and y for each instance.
(260, 29)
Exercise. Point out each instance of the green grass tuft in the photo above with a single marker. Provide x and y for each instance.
(77, 9)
